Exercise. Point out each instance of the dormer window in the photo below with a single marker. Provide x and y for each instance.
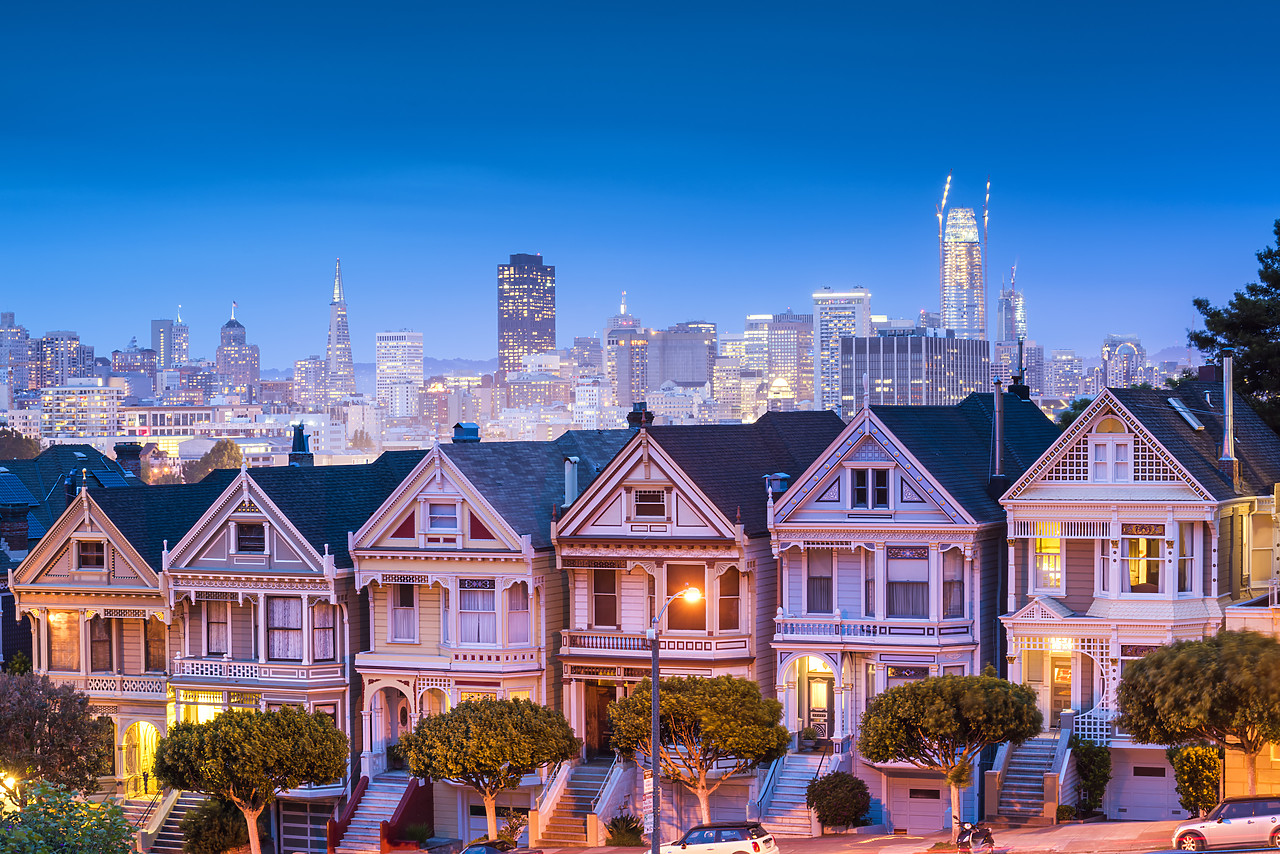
(442, 517)
(1110, 455)
(650, 504)
(91, 554)
(251, 537)
(871, 489)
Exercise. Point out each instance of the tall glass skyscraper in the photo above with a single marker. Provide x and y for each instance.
(964, 291)
(526, 310)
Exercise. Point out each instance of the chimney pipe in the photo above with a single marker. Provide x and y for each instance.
(14, 529)
(998, 483)
(570, 480)
(1228, 464)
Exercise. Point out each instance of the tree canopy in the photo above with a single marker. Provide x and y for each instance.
(489, 745)
(1224, 689)
(943, 723)
(53, 820)
(248, 757)
(225, 454)
(1250, 323)
(15, 446)
(1068, 416)
(710, 730)
(47, 733)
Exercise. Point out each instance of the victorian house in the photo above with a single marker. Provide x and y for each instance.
(464, 597)
(677, 508)
(890, 550)
(1147, 516)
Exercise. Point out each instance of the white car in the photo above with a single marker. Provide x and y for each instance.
(1238, 822)
(724, 837)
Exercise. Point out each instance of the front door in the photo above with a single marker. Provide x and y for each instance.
(820, 691)
(599, 730)
(1059, 689)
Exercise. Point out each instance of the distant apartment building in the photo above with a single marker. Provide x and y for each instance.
(398, 364)
(308, 382)
(15, 354)
(1063, 372)
(837, 314)
(1124, 361)
(135, 360)
(171, 339)
(588, 356)
(1010, 359)
(781, 346)
(84, 407)
(59, 357)
(526, 310)
(684, 353)
(912, 367)
(627, 365)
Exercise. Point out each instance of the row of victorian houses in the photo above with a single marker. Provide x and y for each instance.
(838, 559)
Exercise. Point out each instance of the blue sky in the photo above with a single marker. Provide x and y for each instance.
(713, 159)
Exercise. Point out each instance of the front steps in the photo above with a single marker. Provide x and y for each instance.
(170, 839)
(1022, 791)
(787, 813)
(377, 804)
(568, 823)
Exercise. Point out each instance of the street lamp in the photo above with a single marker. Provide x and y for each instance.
(690, 595)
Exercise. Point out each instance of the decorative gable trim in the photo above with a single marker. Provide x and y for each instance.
(60, 536)
(1040, 610)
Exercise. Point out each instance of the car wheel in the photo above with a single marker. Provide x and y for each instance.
(1191, 842)
(1274, 841)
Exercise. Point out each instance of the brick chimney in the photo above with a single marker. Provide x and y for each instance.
(639, 417)
(129, 457)
(13, 526)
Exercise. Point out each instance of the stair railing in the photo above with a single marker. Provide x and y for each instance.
(546, 800)
(1057, 771)
(146, 835)
(605, 800)
(770, 783)
(334, 830)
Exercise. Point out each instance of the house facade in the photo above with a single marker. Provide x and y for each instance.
(890, 549)
(1133, 531)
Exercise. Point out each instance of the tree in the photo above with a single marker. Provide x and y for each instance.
(53, 819)
(943, 723)
(1068, 416)
(840, 799)
(489, 745)
(1250, 323)
(47, 733)
(1197, 770)
(1224, 689)
(1093, 768)
(248, 757)
(156, 478)
(361, 441)
(15, 446)
(225, 454)
(721, 726)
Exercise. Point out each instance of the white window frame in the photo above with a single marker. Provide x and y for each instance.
(1034, 554)
(1197, 568)
(494, 611)
(666, 504)
(617, 599)
(1116, 463)
(393, 599)
(1162, 589)
(432, 517)
(871, 472)
(204, 640)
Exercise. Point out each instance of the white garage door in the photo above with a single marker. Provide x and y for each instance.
(918, 806)
(1142, 787)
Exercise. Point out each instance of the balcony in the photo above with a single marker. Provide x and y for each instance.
(636, 645)
(106, 685)
(833, 630)
(200, 670)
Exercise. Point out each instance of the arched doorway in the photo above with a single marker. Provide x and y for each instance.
(139, 755)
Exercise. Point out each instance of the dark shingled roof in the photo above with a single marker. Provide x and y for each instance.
(524, 480)
(953, 444)
(1257, 446)
(729, 462)
(44, 476)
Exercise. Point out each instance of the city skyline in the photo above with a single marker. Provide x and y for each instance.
(790, 154)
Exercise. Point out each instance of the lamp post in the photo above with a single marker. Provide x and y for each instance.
(691, 595)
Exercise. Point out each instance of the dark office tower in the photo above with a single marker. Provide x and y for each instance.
(238, 360)
(526, 310)
(340, 371)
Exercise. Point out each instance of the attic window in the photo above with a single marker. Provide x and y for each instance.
(92, 554)
(442, 517)
(651, 504)
(251, 538)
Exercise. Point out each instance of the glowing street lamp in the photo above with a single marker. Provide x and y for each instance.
(690, 595)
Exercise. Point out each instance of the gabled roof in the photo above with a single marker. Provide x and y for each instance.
(953, 444)
(43, 479)
(523, 481)
(1257, 445)
(729, 462)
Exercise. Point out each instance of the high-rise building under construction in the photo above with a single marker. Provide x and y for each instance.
(964, 291)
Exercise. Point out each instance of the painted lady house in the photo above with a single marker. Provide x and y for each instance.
(1146, 517)
(891, 548)
(677, 507)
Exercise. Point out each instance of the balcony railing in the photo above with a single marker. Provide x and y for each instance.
(215, 668)
(103, 684)
(635, 644)
(900, 631)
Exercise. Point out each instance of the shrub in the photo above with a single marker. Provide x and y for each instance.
(217, 826)
(1066, 812)
(625, 830)
(1197, 768)
(419, 832)
(513, 824)
(1093, 764)
(53, 819)
(840, 799)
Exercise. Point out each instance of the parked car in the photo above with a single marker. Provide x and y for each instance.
(1235, 823)
(724, 837)
(498, 846)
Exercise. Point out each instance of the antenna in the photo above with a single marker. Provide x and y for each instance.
(986, 202)
(624, 303)
(942, 209)
(179, 312)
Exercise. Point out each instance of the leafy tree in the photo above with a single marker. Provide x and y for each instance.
(361, 441)
(46, 732)
(1197, 769)
(943, 723)
(705, 723)
(1068, 416)
(839, 798)
(155, 478)
(489, 745)
(217, 826)
(248, 757)
(225, 454)
(1093, 765)
(15, 446)
(1250, 323)
(53, 820)
(1224, 689)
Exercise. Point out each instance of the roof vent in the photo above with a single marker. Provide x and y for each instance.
(778, 482)
(1187, 415)
(79, 455)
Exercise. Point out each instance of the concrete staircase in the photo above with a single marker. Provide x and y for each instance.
(1022, 792)
(137, 811)
(787, 814)
(568, 823)
(170, 838)
(378, 804)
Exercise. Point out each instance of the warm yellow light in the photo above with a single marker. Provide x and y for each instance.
(692, 594)
(1061, 644)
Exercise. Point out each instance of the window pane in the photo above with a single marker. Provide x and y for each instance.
(1186, 556)
(604, 599)
(881, 488)
(155, 654)
(518, 613)
(860, 488)
(1048, 563)
(322, 632)
(952, 584)
(404, 595)
(216, 618)
(682, 615)
(93, 555)
(442, 516)
(651, 503)
(99, 645)
(818, 563)
(1143, 556)
(477, 621)
(250, 538)
(284, 628)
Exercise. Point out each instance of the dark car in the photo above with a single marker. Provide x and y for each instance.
(498, 846)
(724, 837)
(1246, 822)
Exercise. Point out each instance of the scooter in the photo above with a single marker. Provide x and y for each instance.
(974, 837)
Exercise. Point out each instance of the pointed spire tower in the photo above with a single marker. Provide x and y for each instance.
(340, 372)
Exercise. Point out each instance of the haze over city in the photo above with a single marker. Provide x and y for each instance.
(713, 161)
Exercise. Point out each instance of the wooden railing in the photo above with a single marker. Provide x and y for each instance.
(120, 686)
(217, 668)
(334, 830)
(416, 807)
(895, 631)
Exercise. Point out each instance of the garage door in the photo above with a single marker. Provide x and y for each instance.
(1142, 787)
(918, 807)
(302, 826)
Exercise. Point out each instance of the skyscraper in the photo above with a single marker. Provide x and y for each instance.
(15, 354)
(308, 382)
(59, 356)
(340, 371)
(964, 291)
(526, 310)
(836, 315)
(170, 339)
(238, 361)
(1011, 315)
(398, 357)
(912, 367)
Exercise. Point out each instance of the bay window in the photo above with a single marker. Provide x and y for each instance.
(952, 583)
(518, 613)
(64, 640)
(1142, 557)
(284, 628)
(907, 589)
(322, 617)
(1186, 556)
(1047, 564)
(682, 615)
(477, 618)
(818, 565)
